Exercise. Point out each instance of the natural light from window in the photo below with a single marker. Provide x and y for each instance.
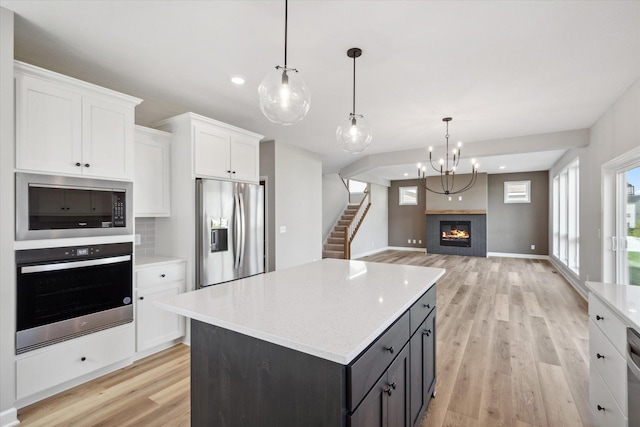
(566, 224)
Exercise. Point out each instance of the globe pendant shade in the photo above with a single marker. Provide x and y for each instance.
(354, 134)
(284, 96)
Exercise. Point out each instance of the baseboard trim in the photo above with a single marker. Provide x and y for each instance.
(570, 277)
(404, 248)
(510, 255)
(9, 418)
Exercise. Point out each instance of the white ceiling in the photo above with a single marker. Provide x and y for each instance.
(500, 69)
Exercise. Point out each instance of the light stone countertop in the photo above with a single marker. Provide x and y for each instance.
(154, 261)
(624, 300)
(332, 309)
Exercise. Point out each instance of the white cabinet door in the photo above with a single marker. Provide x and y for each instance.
(107, 139)
(151, 192)
(155, 325)
(245, 158)
(48, 127)
(212, 152)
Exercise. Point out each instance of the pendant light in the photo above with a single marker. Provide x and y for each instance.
(284, 96)
(354, 133)
(447, 169)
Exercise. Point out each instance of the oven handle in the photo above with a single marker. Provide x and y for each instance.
(74, 264)
(631, 361)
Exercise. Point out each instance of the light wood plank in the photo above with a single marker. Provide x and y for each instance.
(557, 396)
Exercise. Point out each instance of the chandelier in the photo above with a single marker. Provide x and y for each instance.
(447, 169)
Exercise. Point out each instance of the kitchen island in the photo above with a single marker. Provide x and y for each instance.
(329, 343)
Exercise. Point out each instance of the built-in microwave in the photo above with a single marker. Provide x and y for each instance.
(49, 207)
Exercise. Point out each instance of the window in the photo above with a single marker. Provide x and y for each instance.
(517, 192)
(409, 195)
(566, 220)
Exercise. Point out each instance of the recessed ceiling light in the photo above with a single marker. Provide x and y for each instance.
(406, 174)
(502, 167)
(237, 80)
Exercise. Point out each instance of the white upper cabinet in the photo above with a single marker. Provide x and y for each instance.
(212, 151)
(66, 126)
(217, 150)
(226, 154)
(151, 192)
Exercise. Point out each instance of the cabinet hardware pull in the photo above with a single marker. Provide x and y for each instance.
(78, 164)
(427, 332)
(141, 298)
(600, 408)
(162, 275)
(392, 385)
(598, 317)
(388, 391)
(426, 305)
(83, 358)
(86, 165)
(233, 172)
(228, 171)
(599, 356)
(389, 349)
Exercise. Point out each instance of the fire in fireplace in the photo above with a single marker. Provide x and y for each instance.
(455, 233)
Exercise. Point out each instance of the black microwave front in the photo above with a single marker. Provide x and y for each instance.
(49, 207)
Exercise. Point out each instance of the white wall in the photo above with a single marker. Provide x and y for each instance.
(334, 199)
(298, 206)
(7, 220)
(616, 132)
(373, 234)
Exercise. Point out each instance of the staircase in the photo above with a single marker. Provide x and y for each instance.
(334, 248)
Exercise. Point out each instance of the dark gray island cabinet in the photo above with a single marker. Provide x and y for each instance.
(240, 377)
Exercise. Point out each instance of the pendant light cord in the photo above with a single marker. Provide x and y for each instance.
(354, 85)
(286, 13)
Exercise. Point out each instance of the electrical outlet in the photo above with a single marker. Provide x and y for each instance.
(137, 239)
(533, 247)
(419, 242)
(408, 240)
(414, 241)
(283, 229)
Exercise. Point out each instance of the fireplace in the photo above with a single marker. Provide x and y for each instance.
(455, 233)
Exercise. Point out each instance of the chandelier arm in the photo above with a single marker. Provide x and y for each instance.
(469, 185)
(434, 168)
(445, 190)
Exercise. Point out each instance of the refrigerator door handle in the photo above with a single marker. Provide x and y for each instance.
(243, 225)
(237, 215)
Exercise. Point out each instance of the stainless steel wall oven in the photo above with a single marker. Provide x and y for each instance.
(66, 292)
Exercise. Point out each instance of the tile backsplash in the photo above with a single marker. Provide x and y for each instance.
(146, 228)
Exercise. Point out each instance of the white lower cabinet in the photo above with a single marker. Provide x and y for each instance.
(71, 359)
(607, 366)
(155, 326)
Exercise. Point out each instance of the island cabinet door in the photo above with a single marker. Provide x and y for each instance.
(387, 404)
(423, 367)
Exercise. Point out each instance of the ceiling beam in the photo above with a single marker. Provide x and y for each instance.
(494, 147)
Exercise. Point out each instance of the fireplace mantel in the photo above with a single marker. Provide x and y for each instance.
(457, 212)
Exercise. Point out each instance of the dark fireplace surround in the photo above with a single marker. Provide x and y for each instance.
(475, 245)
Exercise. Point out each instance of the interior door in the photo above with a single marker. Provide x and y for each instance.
(626, 243)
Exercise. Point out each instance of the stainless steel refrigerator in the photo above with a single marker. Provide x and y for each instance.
(230, 231)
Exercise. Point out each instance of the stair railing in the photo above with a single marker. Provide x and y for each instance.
(345, 182)
(356, 221)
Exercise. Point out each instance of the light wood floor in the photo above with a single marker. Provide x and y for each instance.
(512, 350)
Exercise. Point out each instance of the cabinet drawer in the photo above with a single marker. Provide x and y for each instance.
(161, 274)
(609, 363)
(363, 373)
(609, 414)
(71, 359)
(421, 308)
(608, 323)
